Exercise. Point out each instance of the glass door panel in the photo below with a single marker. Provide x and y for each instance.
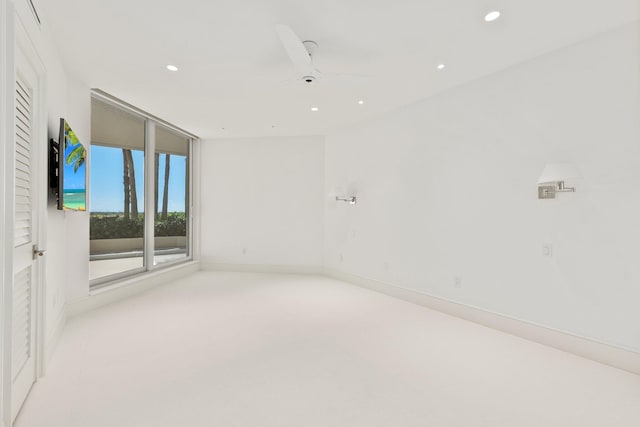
(171, 196)
(116, 192)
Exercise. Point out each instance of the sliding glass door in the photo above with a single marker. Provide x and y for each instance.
(131, 152)
(171, 191)
(116, 192)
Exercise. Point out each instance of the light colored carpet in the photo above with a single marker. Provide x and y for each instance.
(237, 349)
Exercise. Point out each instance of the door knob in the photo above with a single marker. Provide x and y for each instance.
(37, 252)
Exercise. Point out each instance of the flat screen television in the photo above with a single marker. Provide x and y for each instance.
(68, 172)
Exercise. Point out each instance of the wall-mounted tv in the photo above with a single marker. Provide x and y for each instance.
(68, 174)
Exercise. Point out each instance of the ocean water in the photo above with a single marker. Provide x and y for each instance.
(75, 200)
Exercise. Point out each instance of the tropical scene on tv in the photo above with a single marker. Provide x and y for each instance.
(74, 181)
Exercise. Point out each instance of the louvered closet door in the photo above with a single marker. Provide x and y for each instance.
(25, 234)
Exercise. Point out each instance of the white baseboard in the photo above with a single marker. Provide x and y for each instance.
(54, 338)
(616, 357)
(126, 288)
(259, 268)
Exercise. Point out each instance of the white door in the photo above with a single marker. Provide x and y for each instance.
(25, 237)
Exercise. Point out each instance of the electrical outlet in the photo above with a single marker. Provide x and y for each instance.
(244, 251)
(547, 250)
(457, 281)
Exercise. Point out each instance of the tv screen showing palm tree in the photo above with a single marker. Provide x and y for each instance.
(72, 170)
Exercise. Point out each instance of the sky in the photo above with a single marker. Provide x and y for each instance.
(107, 185)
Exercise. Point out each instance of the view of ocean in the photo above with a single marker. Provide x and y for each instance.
(75, 200)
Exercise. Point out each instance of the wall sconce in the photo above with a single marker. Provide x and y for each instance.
(552, 180)
(351, 200)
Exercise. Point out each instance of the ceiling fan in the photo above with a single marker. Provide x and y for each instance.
(301, 55)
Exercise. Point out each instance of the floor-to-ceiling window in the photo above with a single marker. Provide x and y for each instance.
(116, 191)
(171, 185)
(131, 152)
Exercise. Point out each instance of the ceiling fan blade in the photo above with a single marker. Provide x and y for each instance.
(295, 49)
(352, 76)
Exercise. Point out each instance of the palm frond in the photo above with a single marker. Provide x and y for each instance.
(77, 154)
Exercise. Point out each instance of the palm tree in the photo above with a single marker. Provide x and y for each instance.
(130, 191)
(77, 156)
(132, 186)
(165, 197)
(127, 187)
(155, 183)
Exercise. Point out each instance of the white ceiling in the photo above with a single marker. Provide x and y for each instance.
(232, 65)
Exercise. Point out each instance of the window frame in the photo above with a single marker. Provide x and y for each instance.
(150, 124)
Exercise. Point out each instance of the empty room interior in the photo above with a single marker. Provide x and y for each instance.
(270, 213)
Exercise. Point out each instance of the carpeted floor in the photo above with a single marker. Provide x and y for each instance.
(240, 349)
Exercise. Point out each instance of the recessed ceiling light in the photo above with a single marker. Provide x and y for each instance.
(441, 67)
(315, 109)
(172, 68)
(361, 102)
(492, 16)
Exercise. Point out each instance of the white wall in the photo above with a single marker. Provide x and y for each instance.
(72, 248)
(67, 244)
(447, 188)
(262, 201)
